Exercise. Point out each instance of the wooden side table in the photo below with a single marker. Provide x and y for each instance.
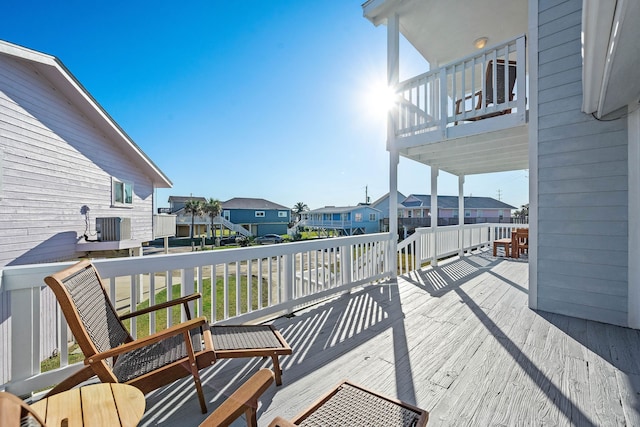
(505, 243)
(108, 404)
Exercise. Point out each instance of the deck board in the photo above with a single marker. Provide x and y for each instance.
(458, 340)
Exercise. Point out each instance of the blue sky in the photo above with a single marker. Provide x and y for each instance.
(264, 99)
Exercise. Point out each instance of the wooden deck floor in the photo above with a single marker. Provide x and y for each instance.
(457, 340)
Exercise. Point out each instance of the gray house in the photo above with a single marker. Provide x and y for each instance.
(548, 86)
(72, 182)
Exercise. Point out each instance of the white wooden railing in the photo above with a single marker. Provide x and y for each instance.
(424, 246)
(428, 101)
(285, 277)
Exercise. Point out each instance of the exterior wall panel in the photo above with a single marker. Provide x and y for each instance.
(582, 183)
(55, 161)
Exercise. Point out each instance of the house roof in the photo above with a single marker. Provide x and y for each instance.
(53, 70)
(401, 197)
(451, 202)
(183, 199)
(341, 209)
(249, 203)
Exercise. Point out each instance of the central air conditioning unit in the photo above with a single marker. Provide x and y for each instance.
(113, 229)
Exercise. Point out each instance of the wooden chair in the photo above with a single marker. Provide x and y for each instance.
(349, 404)
(148, 363)
(243, 401)
(488, 95)
(522, 241)
(14, 412)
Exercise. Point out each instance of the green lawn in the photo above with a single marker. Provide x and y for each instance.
(142, 322)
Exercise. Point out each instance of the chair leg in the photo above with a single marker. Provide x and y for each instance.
(276, 369)
(251, 416)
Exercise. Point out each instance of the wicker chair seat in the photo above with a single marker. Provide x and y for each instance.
(351, 406)
(147, 359)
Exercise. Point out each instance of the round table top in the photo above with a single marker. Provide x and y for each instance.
(108, 404)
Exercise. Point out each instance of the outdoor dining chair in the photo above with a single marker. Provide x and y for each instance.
(148, 363)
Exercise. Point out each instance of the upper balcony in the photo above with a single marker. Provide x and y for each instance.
(468, 113)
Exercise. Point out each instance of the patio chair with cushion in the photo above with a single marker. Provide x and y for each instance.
(488, 95)
(148, 363)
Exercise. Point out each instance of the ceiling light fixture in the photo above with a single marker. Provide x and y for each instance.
(480, 42)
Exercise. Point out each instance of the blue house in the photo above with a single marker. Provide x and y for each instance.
(344, 221)
(259, 216)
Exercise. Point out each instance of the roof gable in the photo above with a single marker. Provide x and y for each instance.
(54, 71)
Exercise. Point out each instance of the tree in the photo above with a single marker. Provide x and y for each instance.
(299, 208)
(195, 208)
(212, 208)
(523, 213)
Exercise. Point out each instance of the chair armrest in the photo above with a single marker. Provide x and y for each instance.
(281, 422)
(142, 342)
(181, 300)
(243, 400)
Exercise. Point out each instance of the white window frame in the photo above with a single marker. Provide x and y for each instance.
(124, 197)
(282, 214)
(259, 214)
(226, 214)
(358, 217)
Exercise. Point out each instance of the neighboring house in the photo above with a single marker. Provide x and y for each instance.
(65, 163)
(571, 119)
(344, 221)
(201, 223)
(382, 204)
(476, 209)
(258, 216)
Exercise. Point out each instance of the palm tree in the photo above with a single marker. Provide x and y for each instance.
(299, 208)
(195, 208)
(213, 208)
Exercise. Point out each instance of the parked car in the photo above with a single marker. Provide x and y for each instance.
(230, 240)
(268, 238)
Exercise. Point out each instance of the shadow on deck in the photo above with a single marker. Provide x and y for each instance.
(457, 340)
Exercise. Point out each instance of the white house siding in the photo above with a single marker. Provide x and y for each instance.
(53, 162)
(582, 182)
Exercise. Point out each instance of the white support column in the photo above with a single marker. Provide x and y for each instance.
(633, 254)
(461, 215)
(434, 214)
(393, 78)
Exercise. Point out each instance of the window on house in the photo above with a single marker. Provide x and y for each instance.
(467, 213)
(372, 217)
(455, 213)
(226, 215)
(358, 217)
(282, 214)
(259, 214)
(479, 213)
(121, 193)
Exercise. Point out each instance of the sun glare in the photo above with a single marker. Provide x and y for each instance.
(379, 99)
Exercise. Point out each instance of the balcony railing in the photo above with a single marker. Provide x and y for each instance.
(257, 282)
(470, 89)
(425, 246)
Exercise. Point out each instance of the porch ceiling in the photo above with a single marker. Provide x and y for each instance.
(488, 152)
(444, 30)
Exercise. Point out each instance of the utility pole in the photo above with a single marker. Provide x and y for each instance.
(499, 194)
